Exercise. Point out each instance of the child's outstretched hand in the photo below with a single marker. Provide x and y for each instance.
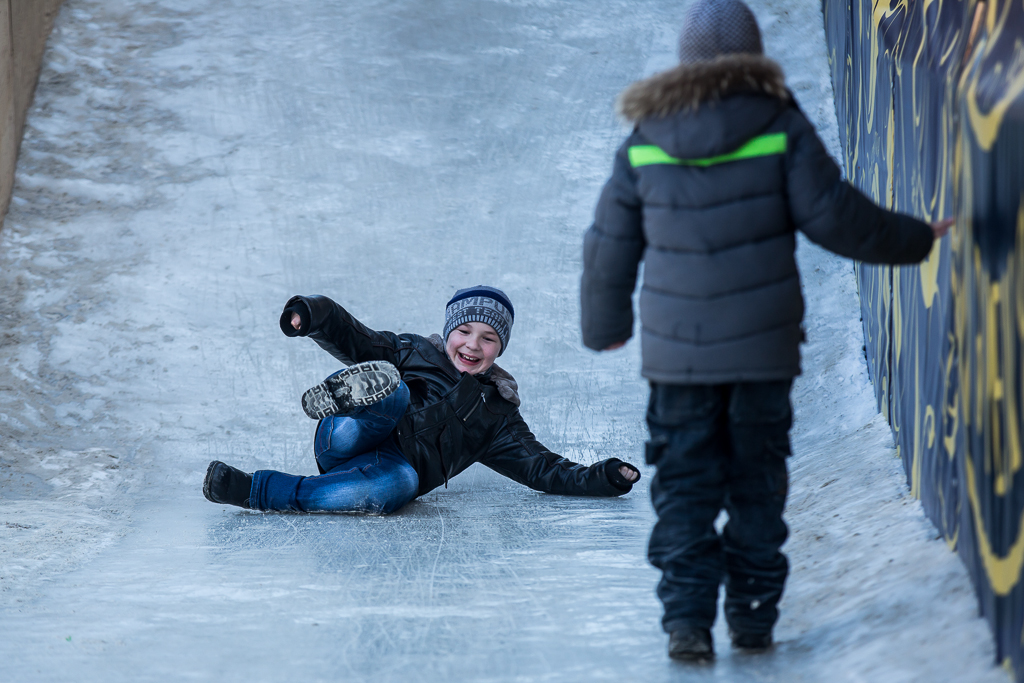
(629, 474)
(294, 319)
(620, 474)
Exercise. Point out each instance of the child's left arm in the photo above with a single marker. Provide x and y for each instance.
(517, 454)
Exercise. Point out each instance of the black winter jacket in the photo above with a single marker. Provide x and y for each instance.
(454, 419)
(721, 169)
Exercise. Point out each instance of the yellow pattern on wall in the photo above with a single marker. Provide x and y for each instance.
(930, 97)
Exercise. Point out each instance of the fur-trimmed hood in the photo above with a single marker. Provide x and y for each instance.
(504, 382)
(687, 86)
(706, 108)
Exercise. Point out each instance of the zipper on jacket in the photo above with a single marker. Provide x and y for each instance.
(440, 458)
(473, 407)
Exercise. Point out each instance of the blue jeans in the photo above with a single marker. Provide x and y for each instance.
(362, 468)
(719, 446)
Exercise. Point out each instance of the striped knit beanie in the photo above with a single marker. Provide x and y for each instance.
(718, 27)
(480, 304)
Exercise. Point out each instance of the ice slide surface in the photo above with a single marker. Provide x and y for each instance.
(188, 165)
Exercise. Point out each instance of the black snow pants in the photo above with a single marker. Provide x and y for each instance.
(719, 447)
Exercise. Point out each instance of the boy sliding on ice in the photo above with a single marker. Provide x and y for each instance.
(409, 415)
(720, 171)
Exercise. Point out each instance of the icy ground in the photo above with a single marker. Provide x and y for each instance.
(189, 164)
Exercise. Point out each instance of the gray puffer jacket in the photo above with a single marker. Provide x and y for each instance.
(720, 171)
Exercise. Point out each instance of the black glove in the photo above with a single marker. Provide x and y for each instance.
(611, 470)
(295, 305)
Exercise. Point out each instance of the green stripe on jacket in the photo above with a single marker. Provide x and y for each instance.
(761, 146)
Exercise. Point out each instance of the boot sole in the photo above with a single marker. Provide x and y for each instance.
(692, 657)
(750, 643)
(354, 387)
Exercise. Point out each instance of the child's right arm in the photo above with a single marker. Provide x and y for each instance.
(337, 331)
(612, 250)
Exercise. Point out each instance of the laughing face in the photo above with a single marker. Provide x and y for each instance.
(472, 347)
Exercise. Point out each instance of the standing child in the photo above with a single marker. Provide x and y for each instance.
(411, 414)
(720, 171)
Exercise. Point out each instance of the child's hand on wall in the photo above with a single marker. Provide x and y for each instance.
(613, 347)
(296, 321)
(940, 228)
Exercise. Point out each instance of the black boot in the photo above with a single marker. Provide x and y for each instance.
(348, 390)
(691, 644)
(751, 643)
(226, 485)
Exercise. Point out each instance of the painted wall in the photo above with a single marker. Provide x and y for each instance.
(930, 100)
(24, 27)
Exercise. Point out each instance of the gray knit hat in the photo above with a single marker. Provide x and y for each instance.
(480, 304)
(718, 27)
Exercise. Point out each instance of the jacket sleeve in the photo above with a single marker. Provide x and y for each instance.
(612, 250)
(516, 454)
(838, 216)
(337, 332)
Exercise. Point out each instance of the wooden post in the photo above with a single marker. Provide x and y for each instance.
(24, 27)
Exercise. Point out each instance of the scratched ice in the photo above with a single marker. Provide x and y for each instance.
(188, 165)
